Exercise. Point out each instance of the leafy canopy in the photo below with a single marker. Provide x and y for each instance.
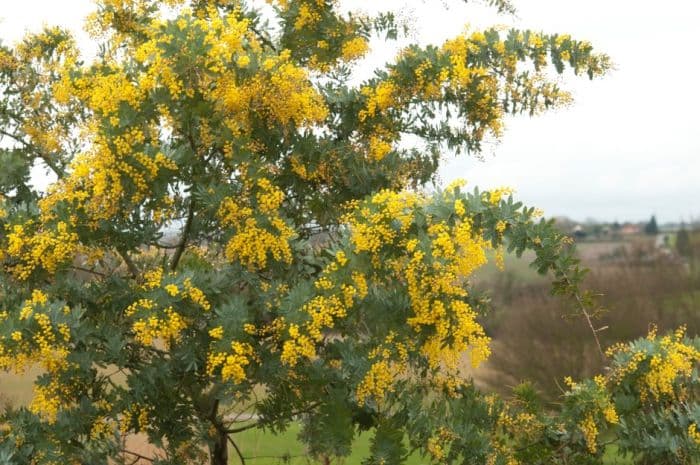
(233, 226)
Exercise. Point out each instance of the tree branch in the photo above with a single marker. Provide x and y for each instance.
(86, 270)
(185, 236)
(133, 269)
(574, 292)
(137, 455)
(258, 423)
(264, 39)
(238, 451)
(590, 323)
(60, 172)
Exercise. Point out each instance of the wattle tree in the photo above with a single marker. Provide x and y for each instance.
(236, 236)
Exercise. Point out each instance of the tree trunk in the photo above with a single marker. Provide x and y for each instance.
(219, 451)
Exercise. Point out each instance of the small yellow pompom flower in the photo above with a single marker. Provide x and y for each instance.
(216, 333)
(172, 289)
(243, 61)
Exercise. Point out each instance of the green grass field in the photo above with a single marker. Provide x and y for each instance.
(264, 448)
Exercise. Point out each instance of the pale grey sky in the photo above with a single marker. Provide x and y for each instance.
(624, 150)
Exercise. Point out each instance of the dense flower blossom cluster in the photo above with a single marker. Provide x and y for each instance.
(235, 225)
(660, 368)
(256, 237)
(42, 337)
(431, 270)
(39, 247)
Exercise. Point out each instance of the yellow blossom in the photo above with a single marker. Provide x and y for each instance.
(216, 333)
(172, 289)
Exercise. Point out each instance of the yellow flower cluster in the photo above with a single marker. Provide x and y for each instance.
(434, 273)
(7, 60)
(392, 361)
(45, 135)
(306, 17)
(355, 48)
(481, 86)
(152, 278)
(232, 364)
(46, 248)
(104, 93)
(150, 327)
(461, 73)
(664, 370)
(141, 304)
(590, 433)
(172, 290)
(522, 424)
(127, 417)
(377, 381)
(297, 346)
(323, 311)
(46, 401)
(167, 329)
(610, 415)
(47, 347)
(47, 344)
(196, 295)
(280, 93)
(379, 147)
(216, 333)
(114, 170)
(373, 228)
(693, 433)
(455, 70)
(379, 99)
(494, 196)
(252, 242)
(102, 428)
(51, 354)
(603, 404)
(676, 360)
(437, 293)
(437, 442)
(269, 197)
(336, 299)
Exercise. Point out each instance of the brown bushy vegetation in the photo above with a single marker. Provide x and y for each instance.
(533, 341)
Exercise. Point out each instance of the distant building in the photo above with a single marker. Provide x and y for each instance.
(630, 229)
(579, 232)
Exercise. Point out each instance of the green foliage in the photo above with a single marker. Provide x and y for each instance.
(235, 228)
(651, 227)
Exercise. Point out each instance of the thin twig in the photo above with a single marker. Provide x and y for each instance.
(163, 246)
(574, 292)
(240, 429)
(238, 451)
(137, 455)
(258, 423)
(264, 39)
(86, 270)
(590, 323)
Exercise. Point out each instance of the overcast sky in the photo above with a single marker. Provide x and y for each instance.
(626, 149)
